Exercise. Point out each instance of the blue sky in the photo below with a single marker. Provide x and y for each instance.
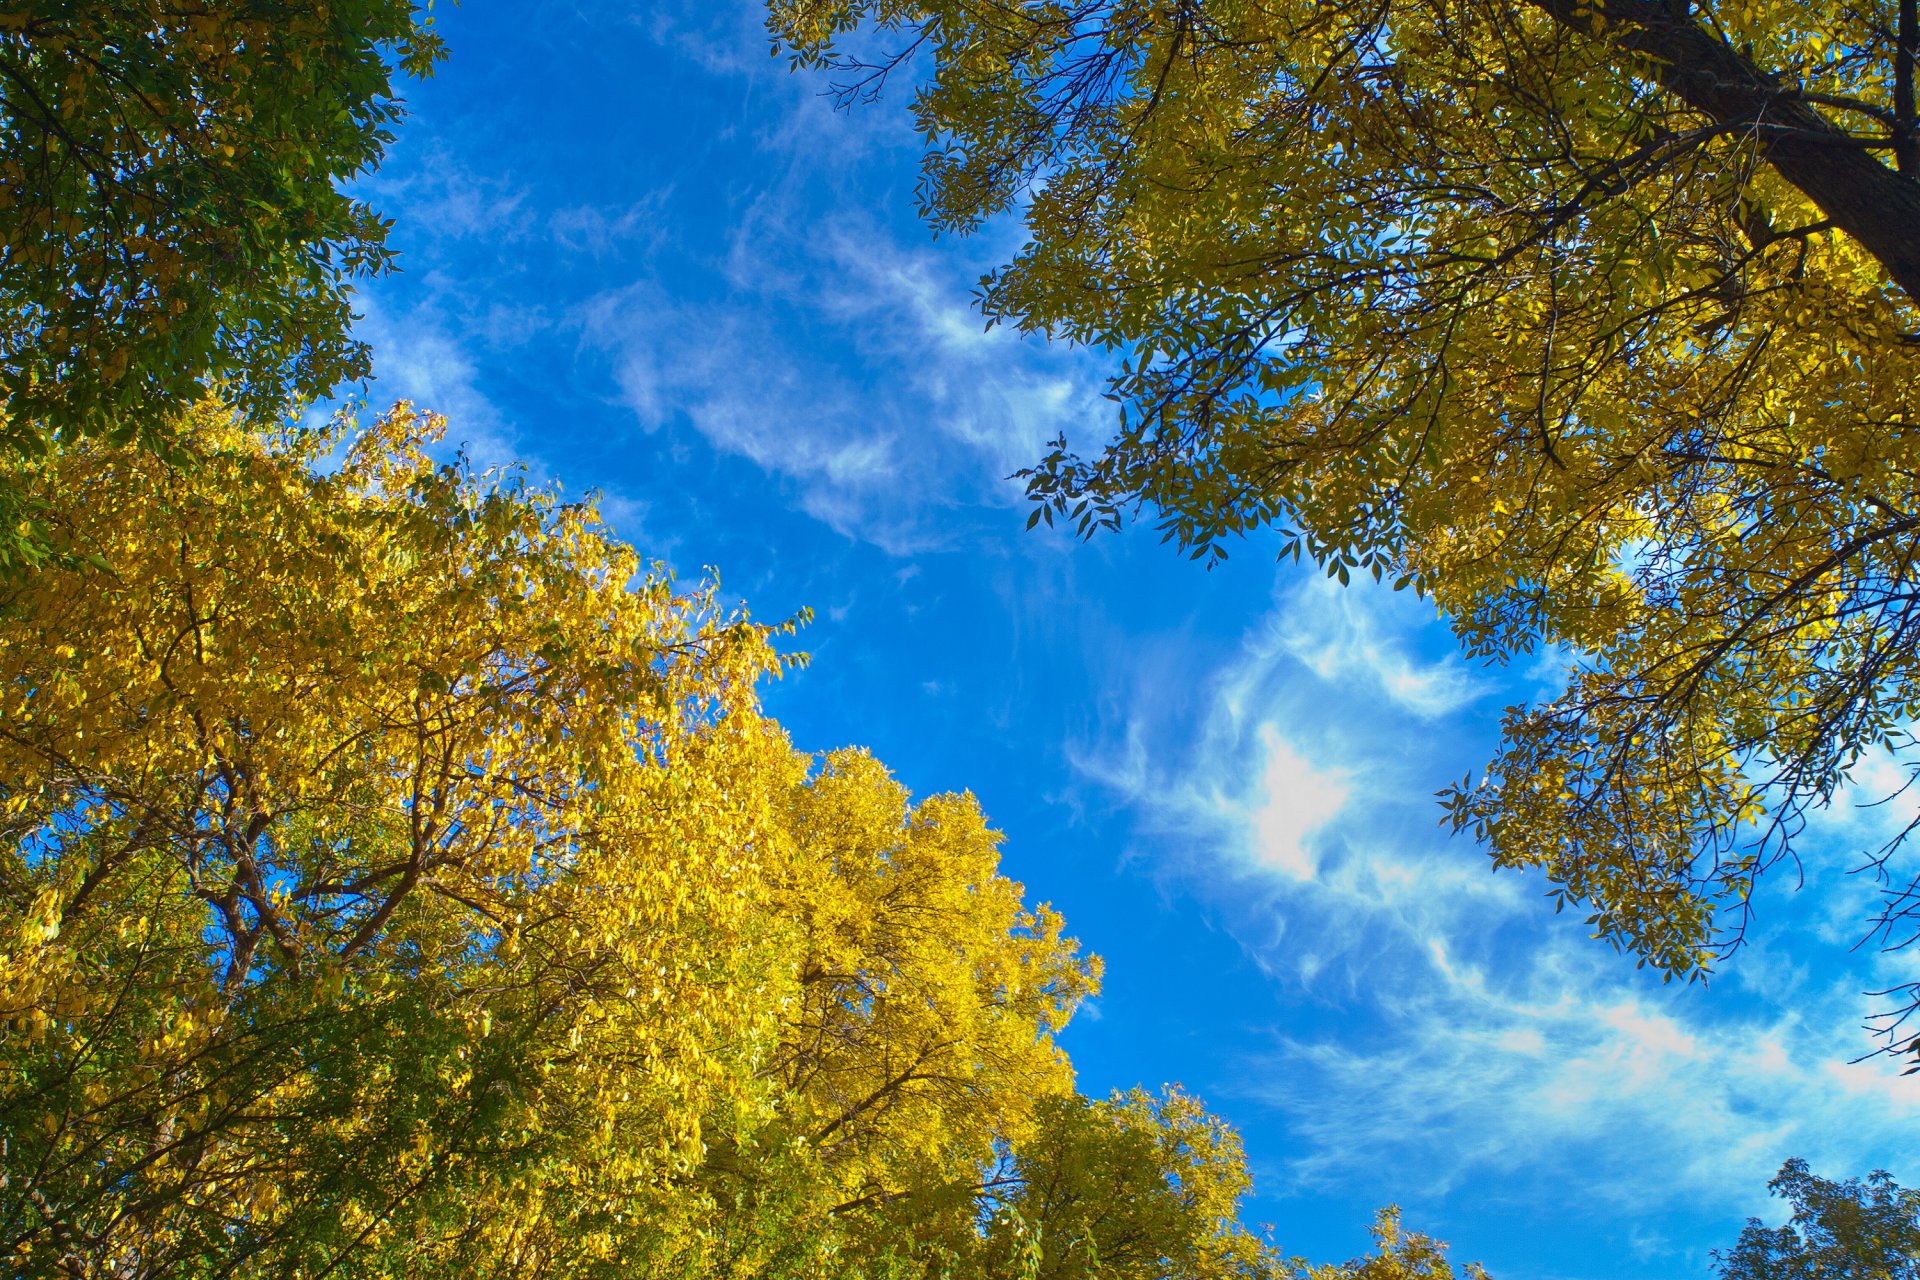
(642, 258)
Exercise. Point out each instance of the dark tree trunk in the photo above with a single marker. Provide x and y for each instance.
(1876, 205)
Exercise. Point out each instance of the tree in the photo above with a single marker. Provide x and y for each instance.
(928, 994)
(918, 1000)
(1135, 1187)
(171, 207)
(1597, 321)
(397, 880)
(380, 881)
(1399, 1254)
(1839, 1230)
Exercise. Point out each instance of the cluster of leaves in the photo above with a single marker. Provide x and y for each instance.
(397, 879)
(171, 208)
(1838, 1229)
(1593, 320)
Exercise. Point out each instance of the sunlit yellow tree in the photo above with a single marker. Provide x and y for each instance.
(1398, 1254)
(928, 994)
(379, 868)
(1598, 321)
(398, 879)
(916, 1035)
(1136, 1187)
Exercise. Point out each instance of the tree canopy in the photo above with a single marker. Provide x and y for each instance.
(1597, 321)
(400, 879)
(1869, 1230)
(1398, 1254)
(172, 207)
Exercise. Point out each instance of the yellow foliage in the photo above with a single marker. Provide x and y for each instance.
(407, 833)
(921, 1029)
(398, 878)
(1135, 1187)
(1593, 320)
(1399, 1255)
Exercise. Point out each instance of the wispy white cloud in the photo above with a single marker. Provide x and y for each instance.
(440, 198)
(790, 322)
(1550, 1069)
(812, 333)
(600, 232)
(1451, 1027)
(443, 349)
(1295, 800)
(726, 373)
(1340, 634)
(853, 368)
(1001, 394)
(420, 356)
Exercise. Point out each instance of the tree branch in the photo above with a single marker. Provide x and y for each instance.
(1877, 206)
(1906, 136)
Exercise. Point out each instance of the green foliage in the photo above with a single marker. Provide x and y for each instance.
(1850, 1230)
(171, 208)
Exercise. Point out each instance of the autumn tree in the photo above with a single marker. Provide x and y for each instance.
(1847, 1229)
(917, 1000)
(1398, 1254)
(928, 995)
(173, 211)
(378, 882)
(398, 879)
(1134, 1187)
(1597, 321)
